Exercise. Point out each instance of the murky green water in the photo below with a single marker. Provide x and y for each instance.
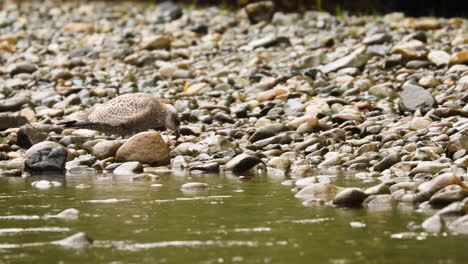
(256, 221)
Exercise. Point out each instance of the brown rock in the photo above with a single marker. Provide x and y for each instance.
(106, 149)
(427, 189)
(309, 119)
(350, 197)
(448, 194)
(413, 49)
(76, 26)
(270, 94)
(459, 57)
(145, 147)
(323, 191)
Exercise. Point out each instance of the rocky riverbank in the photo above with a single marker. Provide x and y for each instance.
(258, 91)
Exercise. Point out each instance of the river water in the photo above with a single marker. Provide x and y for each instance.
(236, 221)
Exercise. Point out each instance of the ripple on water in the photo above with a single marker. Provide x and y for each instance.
(106, 201)
(33, 229)
(19, 217)
(196, 243)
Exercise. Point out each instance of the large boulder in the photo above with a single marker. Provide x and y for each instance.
(145, 147)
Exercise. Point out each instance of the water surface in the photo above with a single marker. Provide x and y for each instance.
(256, 221)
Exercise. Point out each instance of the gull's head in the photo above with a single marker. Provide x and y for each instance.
(172, 121)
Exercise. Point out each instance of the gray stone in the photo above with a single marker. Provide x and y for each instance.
(242, 163)
(51, 159)
(460, 226)
(129, 168)
(387, 161)
(194, 186)
(357, 59)
(77, 240)
(433, 224)
(416, 98)
(267, 131)
(323, 191)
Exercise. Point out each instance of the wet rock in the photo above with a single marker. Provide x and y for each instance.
(45, 144)
(454, 209)
(77, 240)
(207, 167)
(387, 161)
(128, 168)
(267, 131)
(433, 224)
(415, 98)
(46, 160)
(260, 11)
(382, 188)
(306, 181)
(242, 162)
(427, 189)
(107, 148)
(281, 163)
(323, 191)
(67, 214)
(194, 186)
(460, 226)
(145, 147)
(447, 195)
(381, 201)
(145, 177)
(350, 197)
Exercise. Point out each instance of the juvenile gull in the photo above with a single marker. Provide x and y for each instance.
(126, 115)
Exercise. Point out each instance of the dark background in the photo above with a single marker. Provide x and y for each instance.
(447, 8)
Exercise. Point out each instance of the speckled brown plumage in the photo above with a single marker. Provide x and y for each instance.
(126, 115)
